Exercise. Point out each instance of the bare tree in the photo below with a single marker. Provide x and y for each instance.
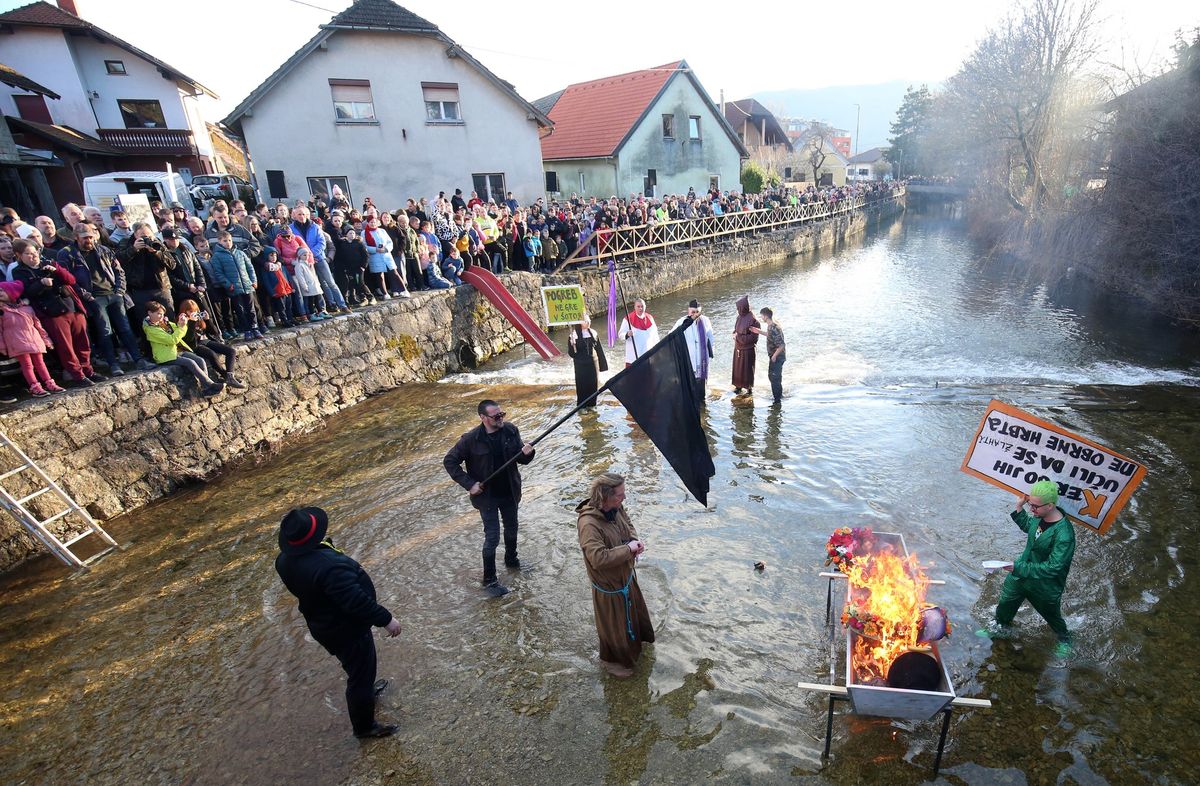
(816, 147)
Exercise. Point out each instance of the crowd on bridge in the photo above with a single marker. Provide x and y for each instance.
(181, 289)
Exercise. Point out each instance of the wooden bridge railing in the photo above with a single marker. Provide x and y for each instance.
(628, 242)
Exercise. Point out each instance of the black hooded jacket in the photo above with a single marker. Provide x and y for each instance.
(336, 595)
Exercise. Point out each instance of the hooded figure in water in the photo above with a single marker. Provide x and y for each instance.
(610, 548)
(744, 340)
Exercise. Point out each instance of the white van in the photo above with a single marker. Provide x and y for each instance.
(167, 187)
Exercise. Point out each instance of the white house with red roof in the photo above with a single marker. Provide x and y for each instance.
(383, 104)
(652, 132)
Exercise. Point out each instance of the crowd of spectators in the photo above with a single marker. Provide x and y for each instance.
(180, 289)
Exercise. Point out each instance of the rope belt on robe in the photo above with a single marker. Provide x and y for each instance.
(628, 602)
(702, 349)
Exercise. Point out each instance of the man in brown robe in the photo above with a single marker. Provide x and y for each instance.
(610, 548)
(744, 340)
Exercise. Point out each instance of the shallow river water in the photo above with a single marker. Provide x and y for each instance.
(183, 660)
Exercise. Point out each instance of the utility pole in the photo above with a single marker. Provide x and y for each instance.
(857, 118)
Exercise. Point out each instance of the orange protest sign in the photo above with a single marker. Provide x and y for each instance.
(1013, 450)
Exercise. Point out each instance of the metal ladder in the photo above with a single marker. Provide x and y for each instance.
(17, 508)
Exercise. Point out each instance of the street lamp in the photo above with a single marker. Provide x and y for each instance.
(857, 118)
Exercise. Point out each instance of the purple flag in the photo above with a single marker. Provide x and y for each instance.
(612, 303)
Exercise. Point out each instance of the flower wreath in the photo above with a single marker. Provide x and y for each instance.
(845, 543)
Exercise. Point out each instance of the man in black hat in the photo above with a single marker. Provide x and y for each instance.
(337, 600)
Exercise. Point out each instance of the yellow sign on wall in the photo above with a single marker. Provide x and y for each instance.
(564, 304)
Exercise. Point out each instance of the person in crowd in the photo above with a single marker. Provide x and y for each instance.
(23, 338)
(413, 244)
(611, 548)
(776, 352)
(427, 259)
(288, 244)
(72, 214)
(380, 263)
(100, 283)
(8, 258)
(93, 216)
(50, 240)
(533, 250)
(350, 265)
(483, 450)
(699, 338)
(1039, 575)
(147, 265)
(220, 306)
(339, 605)
(585, 347)
(263, 307)
(166, 338)
(50, 289)
(744, 339)
(122, 228)
(280, 288)
(218, 357)
(457, 202)
(322, 264)
(452, 267)
(639, 330)
(223, 221)
(399, 237)
(315, 238)
(304, 279)
(12, 225)
(489, 230)
(549, 252)
(233, 271)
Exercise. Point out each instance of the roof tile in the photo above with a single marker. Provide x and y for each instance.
(381, 13)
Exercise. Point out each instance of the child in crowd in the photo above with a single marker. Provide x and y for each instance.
(533, 251)
(211, 351)
(350, 263)
(233, 272)
(22, 337)
(304, 275)
(280, 290)
(427, 259)
(165, 340)
(452, 266)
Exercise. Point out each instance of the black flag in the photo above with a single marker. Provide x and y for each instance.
(657, 391)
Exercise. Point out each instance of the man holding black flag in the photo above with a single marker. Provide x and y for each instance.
(485, 449)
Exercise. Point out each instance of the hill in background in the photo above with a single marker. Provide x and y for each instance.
(835, 106)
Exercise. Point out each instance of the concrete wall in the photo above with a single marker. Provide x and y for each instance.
(43, 56)
(680, 163)
(292, 128)
(125, 443)
(599, 176)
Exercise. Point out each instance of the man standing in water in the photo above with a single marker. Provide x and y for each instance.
(699, 338)
(338, 602)
(640, 332)
(610, 548)
(484, 449)
(776, 352)
(1040, 574)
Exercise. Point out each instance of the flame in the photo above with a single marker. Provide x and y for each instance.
(887, 594)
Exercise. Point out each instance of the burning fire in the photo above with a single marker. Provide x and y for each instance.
(887, 597)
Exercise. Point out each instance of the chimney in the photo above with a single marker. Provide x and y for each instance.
(722, 103)
(68, 6)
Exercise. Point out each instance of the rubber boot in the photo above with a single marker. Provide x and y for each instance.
(510, 555)
(490, 583)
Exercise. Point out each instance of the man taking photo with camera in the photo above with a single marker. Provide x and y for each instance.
(146, 263)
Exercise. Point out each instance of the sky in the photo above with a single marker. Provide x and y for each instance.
(232, 45)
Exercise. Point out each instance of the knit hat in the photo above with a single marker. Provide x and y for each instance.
(14, 289)
(1046, 491)
(302, 530)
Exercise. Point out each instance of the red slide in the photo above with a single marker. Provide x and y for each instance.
(491, 288)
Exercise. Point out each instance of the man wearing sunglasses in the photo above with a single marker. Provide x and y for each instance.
(483, 450)
(1040, 574)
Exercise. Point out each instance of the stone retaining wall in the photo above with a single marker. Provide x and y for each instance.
(130, 441)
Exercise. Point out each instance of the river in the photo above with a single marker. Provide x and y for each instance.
(183, 660)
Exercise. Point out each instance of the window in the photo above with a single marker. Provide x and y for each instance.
(714, 182)
(582, 183)
(694, 127)
(142, 114)
(787, 173)
(864, 171)
(115, 67)
(275, 184)
(668, 126)
(33, 108)
(489, 186)
(322, 187)
(352, 102)
(441, 102)
(551, 182)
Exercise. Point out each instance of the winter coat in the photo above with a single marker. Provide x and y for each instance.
(473, 449)
(336, 595)
(350, 256)
(379, 250)
(312, 236)
(287, 247)
(233, 271)
(276, 280)
(621, 625)
(187, 271)
(107, 277)
(49, 301)
(304, 278)
(242, 239)
(165, 341)
(20, 331)
(146, 268)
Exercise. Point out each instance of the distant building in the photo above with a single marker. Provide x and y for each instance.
(383, 104)
(230, 152)
(869, 165)
(820, 162)
(764, 137)
(651, 132)
(114, 107)
(842, 143)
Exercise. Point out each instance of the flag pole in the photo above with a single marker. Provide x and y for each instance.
(625, 303)
(687, 321)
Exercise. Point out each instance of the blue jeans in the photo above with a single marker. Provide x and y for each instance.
(491, 511)
(298, 307)
(108, 313)
(451, 270)
(433, 280)
(332, 293)
(775, 375)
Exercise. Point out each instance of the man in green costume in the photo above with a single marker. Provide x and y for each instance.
(1040, 573)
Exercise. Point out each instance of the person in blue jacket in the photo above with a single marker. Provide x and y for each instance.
(233, 271)
(337, 599)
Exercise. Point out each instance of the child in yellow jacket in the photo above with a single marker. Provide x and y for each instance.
(165, 342)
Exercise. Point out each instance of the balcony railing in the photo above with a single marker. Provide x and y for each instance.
(150, 141)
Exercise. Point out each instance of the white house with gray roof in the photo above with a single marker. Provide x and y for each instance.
(385, 105)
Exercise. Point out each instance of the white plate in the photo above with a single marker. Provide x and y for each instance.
(993, 565)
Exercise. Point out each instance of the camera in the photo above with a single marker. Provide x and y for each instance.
(154, 243)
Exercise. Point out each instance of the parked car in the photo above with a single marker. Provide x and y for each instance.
(206, 188)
